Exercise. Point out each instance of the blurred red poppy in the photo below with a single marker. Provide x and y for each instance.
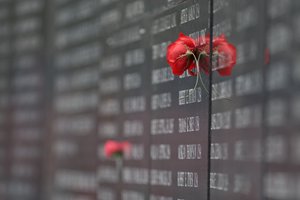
(116, 149)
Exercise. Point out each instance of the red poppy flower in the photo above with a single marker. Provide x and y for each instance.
(179, 54)
(115, 149)
(224, 56)
(182, 55)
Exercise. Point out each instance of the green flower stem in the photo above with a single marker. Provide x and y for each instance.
(118, 155)
(119, 166)
(200, 77)
(198, 71)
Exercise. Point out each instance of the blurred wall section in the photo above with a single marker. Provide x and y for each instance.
(5, 59)
(71, 168)
(282, 109)
(26, 118)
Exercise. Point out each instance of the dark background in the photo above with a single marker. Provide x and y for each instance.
(76, 73)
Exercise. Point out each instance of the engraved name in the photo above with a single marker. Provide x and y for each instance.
(189, 152)
(189, 124)
(162, 126)
(189, 96)
(160, 101)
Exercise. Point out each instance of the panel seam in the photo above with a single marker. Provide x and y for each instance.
(211, 23)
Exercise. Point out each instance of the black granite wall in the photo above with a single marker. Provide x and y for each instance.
(74, 74)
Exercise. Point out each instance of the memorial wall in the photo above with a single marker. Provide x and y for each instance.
(75, 74)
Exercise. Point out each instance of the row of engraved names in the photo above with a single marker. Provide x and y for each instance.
(243, 117)
(135, 104)
(219, 181)
(161, 24)
(246, 84)
(241, 150)
(69, 15)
